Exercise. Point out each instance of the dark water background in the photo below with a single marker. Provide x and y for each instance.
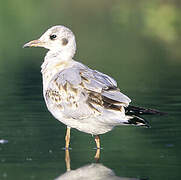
(138, 43)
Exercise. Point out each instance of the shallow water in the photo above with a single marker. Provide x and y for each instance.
(35, 138)
(145, 63)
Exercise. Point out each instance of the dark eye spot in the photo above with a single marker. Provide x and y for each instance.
(53, 36)
(64, 41)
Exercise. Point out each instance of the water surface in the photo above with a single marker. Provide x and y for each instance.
(117, 39)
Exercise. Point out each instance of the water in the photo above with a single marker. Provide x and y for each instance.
(118, 39)
(35, 138)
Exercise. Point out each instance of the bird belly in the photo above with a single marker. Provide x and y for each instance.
(93, 124)
(92, 119)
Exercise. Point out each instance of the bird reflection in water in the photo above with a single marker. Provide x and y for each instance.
(67, 158)
(94, 171)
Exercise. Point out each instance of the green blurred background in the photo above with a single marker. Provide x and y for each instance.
(136, 42)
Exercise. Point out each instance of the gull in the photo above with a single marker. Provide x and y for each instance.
(78, 96)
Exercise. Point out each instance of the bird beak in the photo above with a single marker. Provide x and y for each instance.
(34, 43)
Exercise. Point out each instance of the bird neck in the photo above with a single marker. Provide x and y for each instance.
(53, 63)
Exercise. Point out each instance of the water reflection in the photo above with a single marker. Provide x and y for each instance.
(93, 171)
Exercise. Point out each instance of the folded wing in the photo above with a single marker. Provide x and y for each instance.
(82, 92)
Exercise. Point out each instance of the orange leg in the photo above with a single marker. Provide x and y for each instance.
(97, 140)
(67, 138)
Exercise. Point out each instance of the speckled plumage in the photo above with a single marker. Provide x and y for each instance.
(76, 95)
(85, 99)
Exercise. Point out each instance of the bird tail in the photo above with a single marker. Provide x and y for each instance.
(135, 110)
(133, 114)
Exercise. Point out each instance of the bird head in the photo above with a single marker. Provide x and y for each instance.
(57, 39)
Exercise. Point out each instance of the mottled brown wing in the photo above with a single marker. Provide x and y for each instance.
(107, 87)
(79, 87)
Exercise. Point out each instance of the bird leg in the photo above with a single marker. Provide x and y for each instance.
(67, 138)
(67, 159)
(97, 156)
(97, 140)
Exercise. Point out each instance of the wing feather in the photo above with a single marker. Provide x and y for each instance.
(102, 83)
(84, 90)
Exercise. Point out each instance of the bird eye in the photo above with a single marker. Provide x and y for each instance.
(53, 36)
(64, 41)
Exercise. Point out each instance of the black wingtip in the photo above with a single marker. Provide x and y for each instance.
(138, 121)
(134, 110)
